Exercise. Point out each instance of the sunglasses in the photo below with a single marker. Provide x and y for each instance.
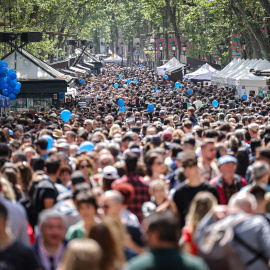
(158, 163)
(84, 166)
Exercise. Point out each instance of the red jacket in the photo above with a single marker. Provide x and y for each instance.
(241, 182)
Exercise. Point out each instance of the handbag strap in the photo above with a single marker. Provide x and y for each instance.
(257, 254)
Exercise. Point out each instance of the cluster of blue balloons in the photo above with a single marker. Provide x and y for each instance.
(65, 115)
(177, 84)
(8, 81)
(121, 104)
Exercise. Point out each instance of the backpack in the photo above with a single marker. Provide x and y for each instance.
(216, 245)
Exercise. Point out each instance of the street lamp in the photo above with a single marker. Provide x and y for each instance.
(161, 48)
(173, 49)
(184, 47)
(243, 45)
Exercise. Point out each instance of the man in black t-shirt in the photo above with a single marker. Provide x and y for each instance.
(14, 255)
(193, 184)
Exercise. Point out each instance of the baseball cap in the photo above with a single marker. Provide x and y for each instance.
(254, 127)
(226, 159)
(166, 135)
(77, 177)
(110, 172)
(53, 115)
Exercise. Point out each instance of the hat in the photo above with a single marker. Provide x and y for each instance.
(77, 177)
(57, 133)
(110, 172)
(63, 146)
(53, 115)
(166, 135)
(254, 127)
(226, 159)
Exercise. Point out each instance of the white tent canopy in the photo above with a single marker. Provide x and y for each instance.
(115, 59)
(172, 63)
(238, 74)
(204, 73)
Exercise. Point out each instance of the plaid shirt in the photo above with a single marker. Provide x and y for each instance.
(141, 192)
(229, 190)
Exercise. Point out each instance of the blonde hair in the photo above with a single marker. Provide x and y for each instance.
(7, 189)
(81, 254)
(201, 204)
(114, 128)
(179, 133)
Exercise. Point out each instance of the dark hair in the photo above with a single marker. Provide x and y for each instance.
(210, 133)
(242, 157)
(85, 197)
(37, 164)
(225, 127)
(3, 212)
(42, 143)
(254, 143)
(264, 152)
(4, 150)
(131, 162)
(149, 161)
(175, 150)
(83, 134)
(259, 192)
(189, 159)
(166, 224)
(52, 164)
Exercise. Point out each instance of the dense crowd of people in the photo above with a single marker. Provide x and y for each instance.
(183, 186)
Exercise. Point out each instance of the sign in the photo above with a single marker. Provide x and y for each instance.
(138, 53)
(260, 93)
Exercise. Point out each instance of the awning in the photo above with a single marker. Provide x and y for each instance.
(82, 67)
(175, 73)
(78, 70)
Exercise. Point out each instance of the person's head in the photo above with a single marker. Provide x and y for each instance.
(82, 137)
(127, 191)
(109, 175)
(259, 193)
(200, 205)
(191, 110)
(158, 189)
(112, 202)
(65, 174)
(131, 162)
(162, 230)
(264, 154)
(88, 125)
(81, 254)
(106, 159)
(227, 167)
(260, 171)
(208, 149)
(253, 130)
(26, 174)
(4, 150)
(52, 165)
(106, 234)
(154, 164)
(84, 164)
(242, 201)
(41, 145)
(86, 204)
(70, 136)
(52, 227)
(189, 163)
(242, 157)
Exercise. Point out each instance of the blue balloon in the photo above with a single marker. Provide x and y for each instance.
(166, 77)
(17, 91)
(10, 132)
(135, 80)
(128, 81)
(11, 90)
(10, 71)
(122, 109)
(86, 146)
(3, 71)
(12, 96)
(150, 108)
(120, 76)
(165, 68)
(141, 66)
(244, 97)
(18, 85)
(189, 91)
(181, 86)
(65, 115)
(12, 76)
(121, 102)
(5, 92)
(177, 84)
(12, 84)
(82, 81)
(156, 89)
(116, 85)
(62, 95)
(5, 64)
(215, 103)
(49, 139)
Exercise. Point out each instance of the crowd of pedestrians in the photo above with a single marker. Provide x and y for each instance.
(170, 182)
